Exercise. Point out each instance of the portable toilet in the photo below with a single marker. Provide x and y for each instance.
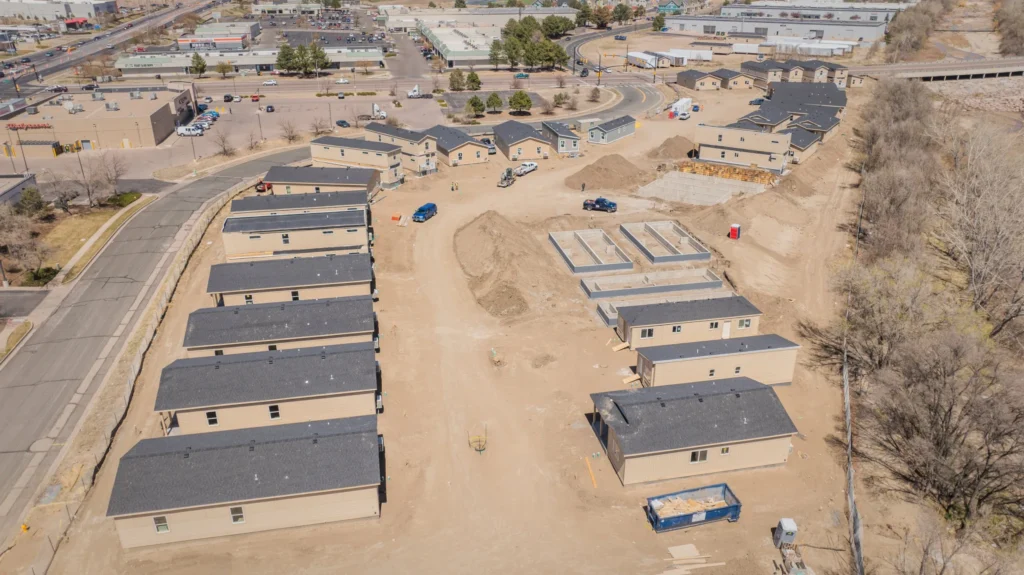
(785, 533)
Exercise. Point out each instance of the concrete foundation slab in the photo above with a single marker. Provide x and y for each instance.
(608, 311)
(698, 189)
(586, 251)
(651, 283)
(665, 242)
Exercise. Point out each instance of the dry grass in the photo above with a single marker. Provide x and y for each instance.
(15, 338)
(107, 234)
(70, 233)
(205, 165)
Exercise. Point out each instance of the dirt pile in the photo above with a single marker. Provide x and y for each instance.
(507, 269)
(674, 148)
(608, 173)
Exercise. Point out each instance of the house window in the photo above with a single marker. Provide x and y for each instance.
(478, 154)
(285, 240)
(725, 451)
(713, 325)
(272, 347)
(342, 153)
(248, 299)
(647, 333)
(742, 139)
(218, 352)
(699, 456)
(275, 411)
(254, 237)
(575, 144)
(743, 323)
(211, 418)
(677, 329)
(295, 296)
(723, 155)
(711, 373)
(719, 137)
(237, 516)
(426, 146)
(287, 189)
(735, 154)
(460, 156)
(328, 232)
(519, 151)
(316, 189)
(538, 150)
(561, 143)
(161, 524)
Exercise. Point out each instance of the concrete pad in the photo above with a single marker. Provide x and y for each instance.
(650, 283)
(697, 189)
(665, 242)
(586, 251)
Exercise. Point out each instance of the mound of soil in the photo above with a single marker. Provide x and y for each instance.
(608, 173)
(674, 148)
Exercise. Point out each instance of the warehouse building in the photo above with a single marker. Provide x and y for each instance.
(207, 394)
(314, 180)
(384, 158)
(561, 138)
(823, 29)
(807, 12)
(297, 234)
(457, 148)
(687, 321)
(188, 487)
(406, 19)
(194, 43)
(276, 205)
(732, 80)
(739, 146)
(466, 46)
(419, 150)
(769, 359)
(519, 141)
(179, 63)
(697, 80)
(296, 279)
(286, 9)
(271, 326)
(675, 431)
(612, 130)
(50, 10)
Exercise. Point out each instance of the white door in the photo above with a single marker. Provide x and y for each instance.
(726, 329)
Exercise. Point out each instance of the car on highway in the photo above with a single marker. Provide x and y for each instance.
(49, 54)
(620, 37)
(341, 95)
(341, 81)
(25, 60)
(269, 109)
(757, 101)
(228, 97)
(108, 46)
(342, 124)
(584, 73)
(522, 76)
(270, 82)
(90, 87)
(57, 89)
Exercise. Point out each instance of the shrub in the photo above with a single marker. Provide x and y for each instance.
(123, 199)
(42, 276)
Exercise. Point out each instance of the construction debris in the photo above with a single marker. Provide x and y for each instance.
(675, 506)
(728, 172)
(686, 559)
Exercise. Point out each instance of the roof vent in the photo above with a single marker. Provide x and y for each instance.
(700, 399)
(236, 311)
(737, 395)
(186, 455)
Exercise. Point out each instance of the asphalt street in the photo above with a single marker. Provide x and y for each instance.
(38, 382)
(19, 303)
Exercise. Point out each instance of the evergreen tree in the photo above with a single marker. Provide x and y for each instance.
(472, 81)
(318, 59)
(302, 61)
(659, 22)
(513, 52)
(456, 81)
(460, 3)
(497, 53)
(476, 105)
(520, 102)
(286, 58)
(531, 54)
(621, 13)
(584, 15)
(494, 102)
(198, 66)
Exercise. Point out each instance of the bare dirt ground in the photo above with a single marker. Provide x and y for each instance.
(484, 329)
(993, 95)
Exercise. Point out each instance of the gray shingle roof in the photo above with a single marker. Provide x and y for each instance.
(616, 123)
(811, 64)
(692, 415)
(561, 129)
(265, 322)
(767, 114)
(322, 176)
(765, 66)
(790, 64)
(744, 125)
(449, 139)
(807, 93)
(289, 273)
(716, 347)
(395, 132)
(267, 376)
(800, 137)
(512, 132)
(298, 201)
(357, 144)
(693, 75)
(288, 222)
(246, 464)
(821, 121)
(725, 74)
(684, 311)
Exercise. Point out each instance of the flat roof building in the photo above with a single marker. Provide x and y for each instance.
(273, 204)
(814, 13)
(306, 179)
(770, 359)
(272, 326)
(56, 10)
(295, 279)
(465, 46)
(295, 234)
(687, 321)
(824, 29)
(179, 63)
(659, 433)
(385, 158)
(404, 18)
(188, 487)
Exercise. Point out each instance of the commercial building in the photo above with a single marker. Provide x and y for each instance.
(248, 29)
(183, 488)
(697, 80)
(802, 143)
(179, 63)
(314, 180)
(405, 18)
(813, 13)
(455, 147)
(295, 234)
(465, 46)
(769, 359)
(276, 9)
(519, 141)
(732, 80)
(296, 279)
(742, 147)
(562, 139)
(385, 158)
(50, 10)
(275, 205)
(674, 431)
(419, 150)
(12, 185)
(687, 321)
(271, 326)
(612, 130)
(823, 29)
(208, 394)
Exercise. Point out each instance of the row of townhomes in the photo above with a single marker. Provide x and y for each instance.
(270, 414)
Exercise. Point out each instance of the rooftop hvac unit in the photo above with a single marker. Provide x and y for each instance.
(112, 106)
(31, 110)
(97, 96)
(137, 95)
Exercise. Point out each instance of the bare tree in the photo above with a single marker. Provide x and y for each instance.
(18, 239)
(319, 126)
(595, 95)
(516, 84)
(560, 80)
(290, 133)
(574, 103)
(223, 143)
(547, 107)
(393, 91)
(436, 84)
(60, 190)
(89, 181)
(927, 550)
(110, 168)
(254, 141)
(393, 122)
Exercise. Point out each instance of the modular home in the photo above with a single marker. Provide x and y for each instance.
(386, 159)
(457, 148)
(802, 143)
(769, 118)
(419, 150)
(295, 279)
(188, 487)
(206, 394)
(731, 80)
(675, 431)
(272, 326)
(792, 71)
(768, 358)
(697, 80)
(815, 71)
(823, 124)
(274, 205)
(296, 234)
(687, 321)
(764, 73)
(518, 141)
(612, 130)
(312, 180)
(742, 147)
(562, 139)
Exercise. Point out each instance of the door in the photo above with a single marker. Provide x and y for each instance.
(726, 328)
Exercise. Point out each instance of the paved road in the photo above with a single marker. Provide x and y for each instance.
(38, 382)
(946, 66)
(19, 303)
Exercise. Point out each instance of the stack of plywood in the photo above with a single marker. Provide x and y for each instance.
(686, 560)
(728, 172)
(675, 506)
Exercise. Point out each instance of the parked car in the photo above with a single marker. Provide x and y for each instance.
(757, 101)
(425, 212)
(341, 95)
(684, 115)
(208, 100)
(343, 124)
(268, 109)
(90, 87)
(620, 37)
(202, 107)
(584, 73)
(213, 113)
(522, 76)
(202, 124)
(341, 81)
(526, 168)
(228, 97)
(601, 205)
(189, 131)
(270, 82)
(491, 149)
(236, 99)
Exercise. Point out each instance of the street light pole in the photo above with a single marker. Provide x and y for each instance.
(259, 120)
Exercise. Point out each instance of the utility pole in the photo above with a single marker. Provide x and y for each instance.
(259, 120)
(24, 158)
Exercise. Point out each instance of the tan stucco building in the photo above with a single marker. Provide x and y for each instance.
(769, 359)
(741, 147)
(687, 321)
(272, 326)
(207, 394)
(732, 80)
(295, 234)
(189, 487)
(519, 141)
(386, 159)
(802, 144)
(660, 433)
(314, 180)
(764, 73)
(697, 80)
(457, 148)
(294, 279)
(419, 150)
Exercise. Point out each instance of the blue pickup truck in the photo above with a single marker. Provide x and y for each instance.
(601, 205)
(425, 212)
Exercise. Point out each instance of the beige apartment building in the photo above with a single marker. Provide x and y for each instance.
(802, 143)
(687, 321)
(764, 73)
(190, 487)
(792, 71)
(294, 279)
(769, 359)
(207, 394)
(386, 159)
(697, 80)
(295, 234)
(519, 141)
(299, 203)
(733, 80)
(457, 148)
(674, 431)
(419, 150)
(814, 71)
(314, 180)
(740, 147)
(238, 329)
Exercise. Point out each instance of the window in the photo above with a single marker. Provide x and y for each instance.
(254, 237)
(719, 137)
(287, 189)
(742, 139)
(248, 299)
(725, 451)
(711, 373)
(538, 150)
(723, 154)
(328, 232)
(575, 144)
(342, 153)
(713, 325)
(460, 155)
(285, 240)
(519, 151)
(237, 516)
(351, 231)
(218, 352)
(316, 189)
(426, 146)
(295, 296)
(275, 411)
(677, 329)
(161, 524)
(272, 347)
(699, 456)
(744, 323)
(647, 333)
(735, 154)
(211, 418)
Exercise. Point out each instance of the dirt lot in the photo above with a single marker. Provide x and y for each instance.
(483, 328)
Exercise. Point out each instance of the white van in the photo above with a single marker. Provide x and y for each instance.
(189, 131)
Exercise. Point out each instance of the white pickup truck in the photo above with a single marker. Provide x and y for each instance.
(526, 168)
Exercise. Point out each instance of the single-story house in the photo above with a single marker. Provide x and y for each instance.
(740, 146)
(519, 141)
(612, 130)
(206, 394)
(385, 158)
(313, 180)
(419, 150)
(295, 279)
(274, 205)
(188, 487)
(290, 235)
(802, 143)
(457, 148)
(687, 321)
(731, 79)
(562, 139)
(767, 358)
(697, 80)
(659, 433)
(237, 329)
